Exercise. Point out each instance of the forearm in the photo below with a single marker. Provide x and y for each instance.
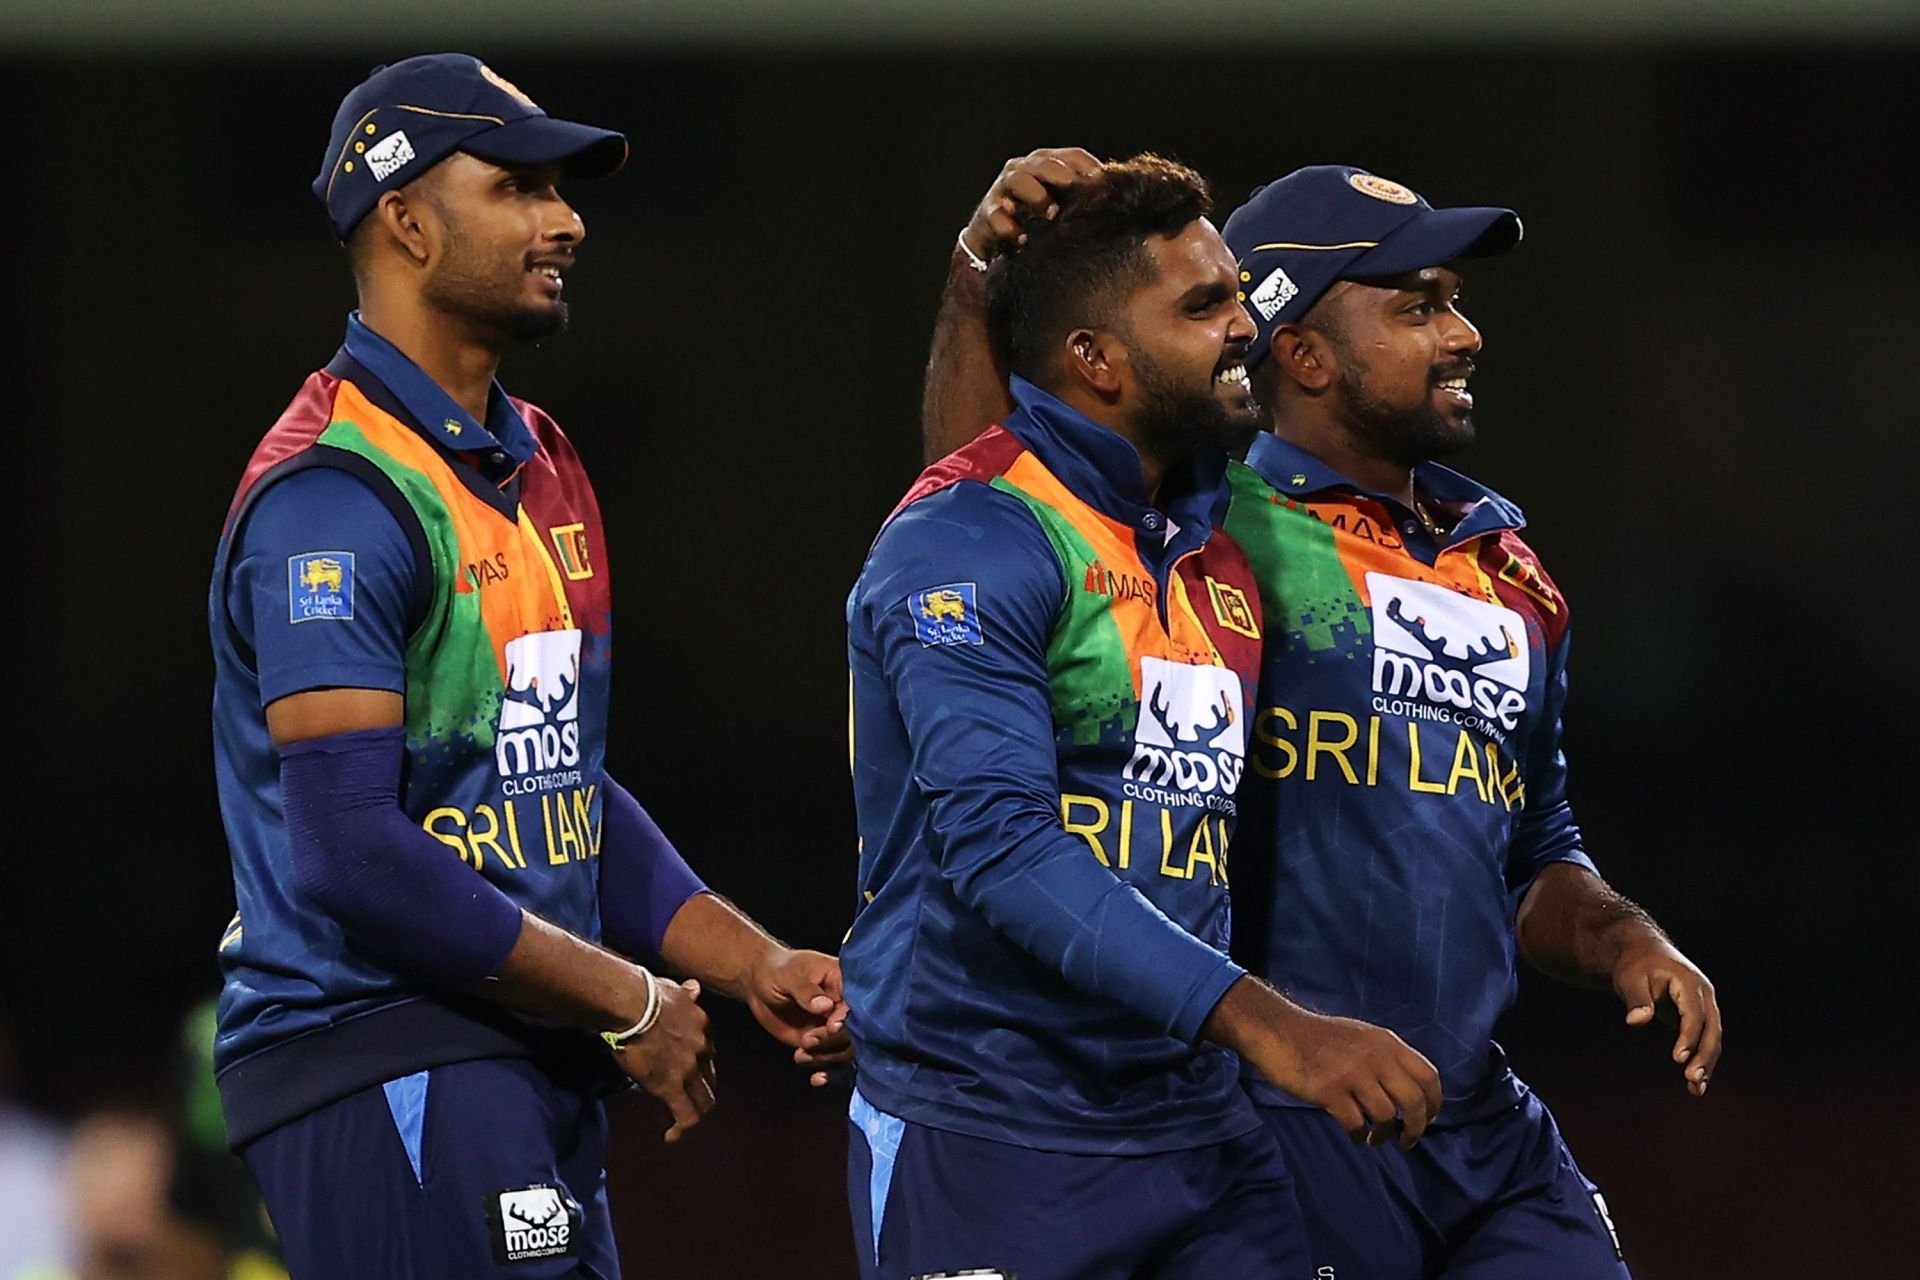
(711, 939)
(404, 897)
(1574, 927)
(1056, 903)
(555, 975)
(1249, 1016)
(965, 390)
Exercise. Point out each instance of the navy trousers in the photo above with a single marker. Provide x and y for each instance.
(483, 1168)
(1493, 1199)
(927, 1202)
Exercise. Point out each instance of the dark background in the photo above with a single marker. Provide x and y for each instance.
(1699, 379)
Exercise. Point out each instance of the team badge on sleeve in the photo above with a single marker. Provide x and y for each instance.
(320, 585)
(946, 615)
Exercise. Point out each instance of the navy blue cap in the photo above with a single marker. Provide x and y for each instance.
(405, 118)
(1330, 222)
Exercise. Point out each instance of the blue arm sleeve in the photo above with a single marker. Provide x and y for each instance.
(980, 722)
(322, 514)
(643, 879)
(1546, 833)
(393, 888)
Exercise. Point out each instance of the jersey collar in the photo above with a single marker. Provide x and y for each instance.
(1293, 471)
(1103, 469)
(432, 409)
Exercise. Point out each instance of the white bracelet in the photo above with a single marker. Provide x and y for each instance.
(648, 1016)
(974, 260)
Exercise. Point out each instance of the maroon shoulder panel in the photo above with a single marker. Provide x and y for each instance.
(299, 425)
(985, 456)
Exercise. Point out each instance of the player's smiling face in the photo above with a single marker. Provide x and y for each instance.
(507, 241)
(1188, 337)
(1405, 353)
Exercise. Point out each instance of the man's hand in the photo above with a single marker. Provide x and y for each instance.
(1375, 1086)
(1032, 183)
(796, 996)
(1655, 980)
(1573, 925)
(673, 1059)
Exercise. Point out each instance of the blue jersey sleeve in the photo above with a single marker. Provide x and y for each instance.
(974, 698)
(319, 585)
(1546, 833)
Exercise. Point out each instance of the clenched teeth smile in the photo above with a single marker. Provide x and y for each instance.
(1233, 376)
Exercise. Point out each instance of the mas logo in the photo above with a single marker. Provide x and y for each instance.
(946, 615)
(1191, 736)
(1102, 581)
(534, 1222)
(539, 729)
(1449, 651)
(320, 585)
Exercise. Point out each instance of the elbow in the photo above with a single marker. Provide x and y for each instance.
(318, 856)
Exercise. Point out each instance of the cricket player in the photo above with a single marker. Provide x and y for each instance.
(1053, 649)
(1406, 826)
(411, 625)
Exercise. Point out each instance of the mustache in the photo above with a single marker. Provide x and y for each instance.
(1461, 368)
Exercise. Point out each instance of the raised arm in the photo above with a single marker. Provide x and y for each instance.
(966, 389)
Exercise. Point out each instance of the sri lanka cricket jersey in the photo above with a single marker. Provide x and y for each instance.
(1405, 781)
(505, 645)
(1051, 686)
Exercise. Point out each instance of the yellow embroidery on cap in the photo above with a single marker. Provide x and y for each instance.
(1379, 188)
(507, 87)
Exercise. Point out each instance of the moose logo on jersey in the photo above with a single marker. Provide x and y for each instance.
(1469, 657)
(533, 1222)
(540, 708)
(1191, 735)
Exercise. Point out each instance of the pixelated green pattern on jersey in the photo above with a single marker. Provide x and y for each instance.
(1305, 591)
(450, 655)
(1086, 658)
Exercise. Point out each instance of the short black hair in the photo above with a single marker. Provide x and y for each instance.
(1075, 269)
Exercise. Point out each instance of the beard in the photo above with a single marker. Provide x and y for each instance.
(1176, 421)
(1404, 436)
(473, 285)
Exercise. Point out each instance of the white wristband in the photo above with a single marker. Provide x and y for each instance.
(974, 260)
(648, 1016)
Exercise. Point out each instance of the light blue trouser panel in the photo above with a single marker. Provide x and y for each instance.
(883, 1140)
(407, 1099)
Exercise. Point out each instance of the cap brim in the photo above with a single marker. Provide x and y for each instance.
(584, 151)
(1437, 236)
